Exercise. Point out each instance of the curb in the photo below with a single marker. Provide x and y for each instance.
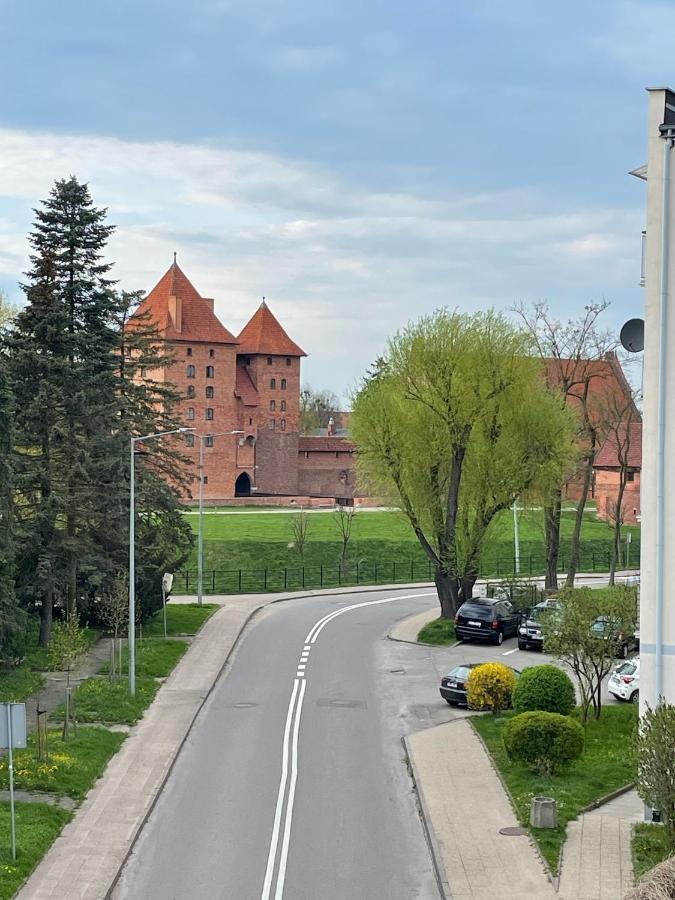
(596, 804)
(425, 818)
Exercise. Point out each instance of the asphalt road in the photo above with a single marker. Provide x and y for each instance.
(293, 782)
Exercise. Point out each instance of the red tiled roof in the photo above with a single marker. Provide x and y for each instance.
(244, 388)
(608, 457)
(329, 444)
(199, 322)
(605, 379)
(264, 334)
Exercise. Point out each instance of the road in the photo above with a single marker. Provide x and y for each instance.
(293, 782)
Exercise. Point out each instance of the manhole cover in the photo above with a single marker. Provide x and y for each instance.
(513, 830)
(244, 705)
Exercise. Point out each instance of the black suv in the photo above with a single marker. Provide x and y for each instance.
(486, 618)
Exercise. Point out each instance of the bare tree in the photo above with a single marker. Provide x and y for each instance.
(344, 519)
(622, 418)
(300, 530)
(316, 408)
(570, 352)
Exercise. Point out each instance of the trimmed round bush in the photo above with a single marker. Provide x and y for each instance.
(490, 687)
(545, 688)
(546, 742)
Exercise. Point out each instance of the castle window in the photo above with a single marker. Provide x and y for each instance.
(209, 392)
(288, 360)
(306, 454)
(283, 406)
(191, 390)
(273, 384)
(283, 384)
(250, 421)
(212, 353)
(189, 440)
(209, 414)
(188, 352)
(209, 371)
(206, 479)
(191, 371)
(191, 413)
(144, 372)
(248, 360)
(209, 440)
(269, 360)
(272, 425)
(337, 455)
(630, 476)
(273, 405)
(282, 424)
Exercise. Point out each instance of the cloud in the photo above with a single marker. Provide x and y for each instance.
(341, 265)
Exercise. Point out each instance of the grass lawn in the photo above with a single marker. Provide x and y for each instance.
(72, 766)
(37, 826)
(101, 700)
(183, 618)
(261, 545)
(650, 847)
(18, 684)
(439, 632)
(604, 767)
(155, 657)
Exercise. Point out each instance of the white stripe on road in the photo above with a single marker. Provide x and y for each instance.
(291, 752)
(509, 652)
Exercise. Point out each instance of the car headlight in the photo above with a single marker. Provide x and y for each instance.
(522, 630)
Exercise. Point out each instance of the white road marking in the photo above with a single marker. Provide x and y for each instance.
(509, 652)
(293, 726)
(456, 645)
(272, 855)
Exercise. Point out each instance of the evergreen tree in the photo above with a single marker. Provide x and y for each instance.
(12, 619)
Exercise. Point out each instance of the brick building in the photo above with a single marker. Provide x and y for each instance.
(249, 383)
(627, 445)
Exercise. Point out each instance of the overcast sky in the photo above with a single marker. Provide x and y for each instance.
(358, 163)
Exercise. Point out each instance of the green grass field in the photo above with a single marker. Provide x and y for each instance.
(604, 767)
(37, 826)
(383, 548)
(650, 847)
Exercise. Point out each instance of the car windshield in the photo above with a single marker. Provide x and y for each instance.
(476, 610)
(459, 672)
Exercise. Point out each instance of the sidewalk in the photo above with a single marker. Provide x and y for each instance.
(85, 859)
(465, 806)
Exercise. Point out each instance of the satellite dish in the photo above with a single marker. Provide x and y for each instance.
(632, 335)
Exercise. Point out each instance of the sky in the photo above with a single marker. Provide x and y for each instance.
(359, 164)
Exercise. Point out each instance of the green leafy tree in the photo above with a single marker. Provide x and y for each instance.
(586, 634)
(454, 426)
(68, 643)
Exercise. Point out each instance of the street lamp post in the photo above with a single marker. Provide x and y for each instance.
(200, 531)
(132, 549)
(516, 536)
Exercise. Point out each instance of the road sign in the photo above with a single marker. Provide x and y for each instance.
(13, 718)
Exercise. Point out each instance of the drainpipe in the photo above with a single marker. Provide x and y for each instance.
(668, 135)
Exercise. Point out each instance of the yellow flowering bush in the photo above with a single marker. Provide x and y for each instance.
(490, 686)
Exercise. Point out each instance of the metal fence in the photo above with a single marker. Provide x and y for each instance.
(388, 571)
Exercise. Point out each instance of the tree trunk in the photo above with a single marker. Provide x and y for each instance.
(552, 539)
(618, 520)
(46, 614)
(448, 593)
(71, 598)
(467, 585)
(575, 545)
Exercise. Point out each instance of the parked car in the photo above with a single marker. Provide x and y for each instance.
(453, 685)
(628, 643)
(624, 682)
(530, 631)
(486, 618)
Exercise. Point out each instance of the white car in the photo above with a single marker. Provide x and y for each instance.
(624, 682)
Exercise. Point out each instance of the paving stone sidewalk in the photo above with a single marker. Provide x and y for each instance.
(465, 806)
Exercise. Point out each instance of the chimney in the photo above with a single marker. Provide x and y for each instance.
(209, 301)
(330, 431)
(176, 312)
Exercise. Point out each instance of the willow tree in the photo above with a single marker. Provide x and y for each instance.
(454, 424)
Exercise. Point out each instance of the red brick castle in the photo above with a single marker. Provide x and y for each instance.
(251, 384)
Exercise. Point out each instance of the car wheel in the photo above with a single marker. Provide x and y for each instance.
(499, 638)
(635, 697)
(522, 645)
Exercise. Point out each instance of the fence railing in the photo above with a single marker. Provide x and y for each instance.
(388, 571)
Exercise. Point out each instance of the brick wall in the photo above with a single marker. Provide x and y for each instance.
(263, 373)
(277, 462)
(606, 492)
(326, 473)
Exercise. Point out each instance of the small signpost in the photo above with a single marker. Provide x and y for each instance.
(12, 737)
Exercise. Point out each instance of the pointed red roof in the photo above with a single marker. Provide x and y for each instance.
(264, 334)
(198, 322)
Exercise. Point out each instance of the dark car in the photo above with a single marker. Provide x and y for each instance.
(486, 618)
(453, 685)
(530, 631)
(626, 643)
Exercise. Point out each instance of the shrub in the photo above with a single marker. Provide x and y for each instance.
(490, 687)
(546, 742)
(655, 751)
(545, 688)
